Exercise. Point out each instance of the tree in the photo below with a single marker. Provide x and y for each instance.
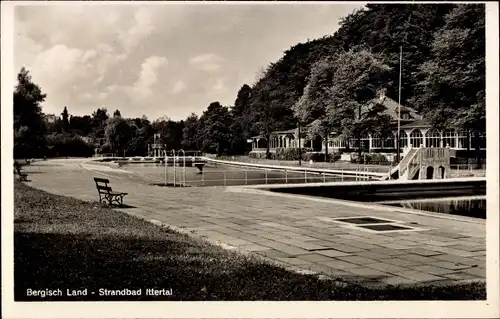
(29, 126)
(81, 125)
(118, 133)
(239, 124)
(267, 111)
(340, 93)
(99, 120)
(117, 113)
(191, 133)
(170, 131)
(65, 120)
(452, 86)
(214, 129)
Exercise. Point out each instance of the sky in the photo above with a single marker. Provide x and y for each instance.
(158, 59)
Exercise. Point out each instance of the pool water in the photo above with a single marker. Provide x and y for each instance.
(224, 175)
(463, 206)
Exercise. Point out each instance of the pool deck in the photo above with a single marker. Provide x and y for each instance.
(298, 232)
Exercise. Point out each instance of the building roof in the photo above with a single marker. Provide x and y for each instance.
(416, 124)
(415, 120)
(392, 108)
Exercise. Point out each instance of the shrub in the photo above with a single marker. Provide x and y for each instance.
(65, 144)
(314, 156)
(105, 148)
(370, 158)
(290, 154)
(376, 158)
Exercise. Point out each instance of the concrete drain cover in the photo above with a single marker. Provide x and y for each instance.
(384, 228)
(364, 220)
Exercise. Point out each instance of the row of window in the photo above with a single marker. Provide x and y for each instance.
(432, 138)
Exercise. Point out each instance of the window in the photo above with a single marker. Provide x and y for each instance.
(403, 139)
(416, 138)
(405, 116)
(389, 141)
(481, 138)
(463, 139)
(337, 143)
(376, 141)
(433, 138)
(449, 138)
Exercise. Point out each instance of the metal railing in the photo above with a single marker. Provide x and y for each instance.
(466, 170)
(227, 177)
(176, 161)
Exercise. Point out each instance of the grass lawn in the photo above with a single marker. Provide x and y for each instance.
(64, 243)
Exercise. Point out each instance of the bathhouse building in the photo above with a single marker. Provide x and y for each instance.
(415, 132)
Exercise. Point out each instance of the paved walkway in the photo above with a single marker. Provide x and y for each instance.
(291, 230)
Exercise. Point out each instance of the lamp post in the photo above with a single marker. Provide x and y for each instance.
(399, 103)
(300, 149)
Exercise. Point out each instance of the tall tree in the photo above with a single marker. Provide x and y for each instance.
(340, 95)
(117, 113)
(191, 133)
(118, 133)
(452, 86)
(29, 125)
(214, 128)
(65, 120)
(268, 112)
(239, 124)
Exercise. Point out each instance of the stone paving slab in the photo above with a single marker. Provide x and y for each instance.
(292, 230)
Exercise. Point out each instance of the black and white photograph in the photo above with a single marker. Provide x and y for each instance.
(234, 151)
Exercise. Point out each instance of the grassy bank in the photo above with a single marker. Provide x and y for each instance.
(65, 243)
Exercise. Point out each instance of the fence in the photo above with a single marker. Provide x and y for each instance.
(211, 175)
(467, 170)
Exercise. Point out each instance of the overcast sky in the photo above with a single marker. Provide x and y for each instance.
(158, 59)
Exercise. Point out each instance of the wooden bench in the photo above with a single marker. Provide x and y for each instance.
(107, 194)
(21, 176)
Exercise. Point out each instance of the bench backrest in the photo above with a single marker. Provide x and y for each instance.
(102, 185)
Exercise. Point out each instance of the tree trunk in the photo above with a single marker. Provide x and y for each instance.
(468, 148)
(267, 147)
(360, 149)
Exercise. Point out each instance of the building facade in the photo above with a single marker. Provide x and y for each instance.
(415, 132)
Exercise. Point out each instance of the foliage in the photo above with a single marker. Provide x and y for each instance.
(290, 154)
(191, 133)
(452, 86)
(370, 158)
(214, 128)
(240, 126)
(29, 126)
(65, 120)
(118, 133)
(65, 144)
(324, 83)
(339, 95)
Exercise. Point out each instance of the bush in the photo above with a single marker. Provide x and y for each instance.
(320, 157)
(370, 158)
(290, 154)
(105, 149)
(65, 144)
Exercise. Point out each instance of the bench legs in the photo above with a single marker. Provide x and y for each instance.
(111, 199)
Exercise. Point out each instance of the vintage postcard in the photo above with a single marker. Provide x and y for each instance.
(249, 159)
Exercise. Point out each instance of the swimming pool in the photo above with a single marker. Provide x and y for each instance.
(221, 175)
(463, 206)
